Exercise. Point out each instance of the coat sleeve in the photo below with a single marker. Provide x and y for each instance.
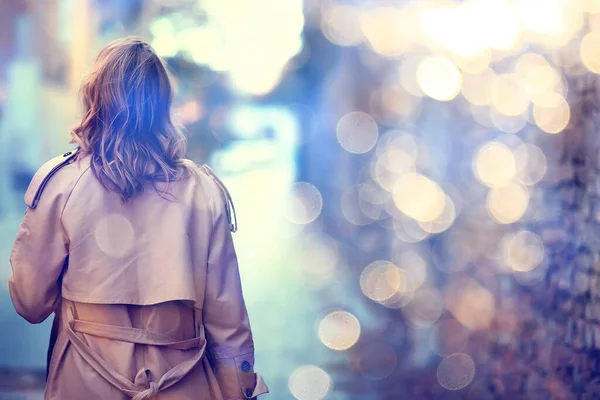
(229, 337)
(38, 255)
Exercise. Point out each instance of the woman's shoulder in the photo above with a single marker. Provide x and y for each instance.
(213, 190)
(56, 175)
(202, 174)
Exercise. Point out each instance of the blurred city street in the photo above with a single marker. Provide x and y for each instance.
(416, 182)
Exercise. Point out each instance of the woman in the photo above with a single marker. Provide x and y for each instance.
(130, 246)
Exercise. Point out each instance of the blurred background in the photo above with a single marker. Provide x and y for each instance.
(415, 181)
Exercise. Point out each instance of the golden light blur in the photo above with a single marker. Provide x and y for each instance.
(589, 51)
(494, 165)
(553, 114)
(531, 164)
(471, 304)
(590, 6)
(419, 197)
(439, 78)
(443, 221)
(388, 30)
(340, 25)
(509, 96)
(339, 330)
(456, 371)
(507, 204)
(218, 44)
(473, 63)
(541, 80)
(594, 17)
(532, 277)
(526, 62)
(310, 382)
(523, 251)
(390, 165)
(477, 88)
(357, 132)
(382, 282)
(408, 75)
(305, 203)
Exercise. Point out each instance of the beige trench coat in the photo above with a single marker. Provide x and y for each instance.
(147, 294)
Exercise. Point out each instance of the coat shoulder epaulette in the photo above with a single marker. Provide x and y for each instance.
(43, 175)
(230, 209)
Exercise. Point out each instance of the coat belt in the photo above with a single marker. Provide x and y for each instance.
(142, 388)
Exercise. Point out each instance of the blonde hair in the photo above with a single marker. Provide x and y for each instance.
(126, 126)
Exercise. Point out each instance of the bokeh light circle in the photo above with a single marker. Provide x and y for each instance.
(456, 371)
(589, 51)
(357, 132)
(524, 251)
(380, 280)
(553, 115)
(439, 78)
(310, 383)
(114, 235)
(508, 203)
(531, 163)
(495, 164)
(419, 197)
(532, 277)
(305, 203)
(339, 330)
(388, 31)
(471, 304)
(443, 221)
(385, 283)
(340, 25)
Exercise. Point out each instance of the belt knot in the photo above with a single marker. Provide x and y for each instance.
(147, 393)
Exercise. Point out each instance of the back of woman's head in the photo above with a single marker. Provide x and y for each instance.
(127, 127)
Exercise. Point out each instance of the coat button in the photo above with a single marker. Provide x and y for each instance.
(246, 366)
(248, 393)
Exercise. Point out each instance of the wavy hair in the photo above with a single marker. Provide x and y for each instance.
(127, 127)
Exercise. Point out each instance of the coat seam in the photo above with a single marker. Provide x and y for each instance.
(71, 193)
(62, 212)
